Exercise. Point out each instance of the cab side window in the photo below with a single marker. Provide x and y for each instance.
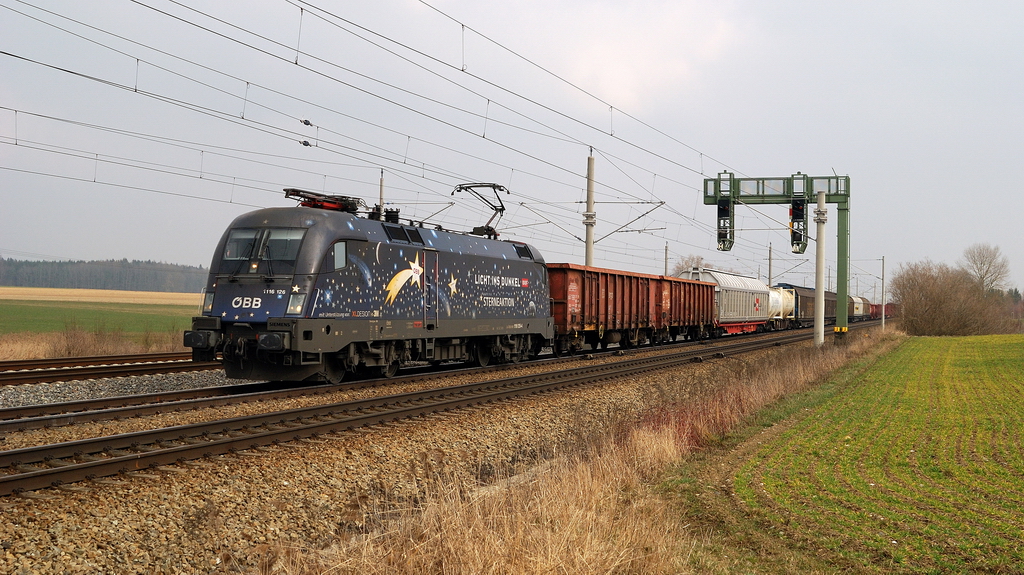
(337, 257)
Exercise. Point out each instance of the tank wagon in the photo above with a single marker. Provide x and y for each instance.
(315, 292)
(781, 308)
(804, 305)
(597, 307)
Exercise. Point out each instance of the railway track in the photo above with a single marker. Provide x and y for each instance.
(21, 418)
(75, 369)
(53, 363)
(40, 467)
(26, 417)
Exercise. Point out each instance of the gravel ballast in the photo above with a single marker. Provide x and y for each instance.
(220, 514)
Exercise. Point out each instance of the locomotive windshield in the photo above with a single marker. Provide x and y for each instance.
(266, 250)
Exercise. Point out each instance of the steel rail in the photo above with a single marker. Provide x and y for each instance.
(104, 371)
(65, 413)
(60, 362)
(25, 417)
(84, 459)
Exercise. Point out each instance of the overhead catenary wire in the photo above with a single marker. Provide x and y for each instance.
(208, 67)
(248, 83)
(363, 156)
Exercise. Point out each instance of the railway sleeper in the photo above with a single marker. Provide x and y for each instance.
(57, 463)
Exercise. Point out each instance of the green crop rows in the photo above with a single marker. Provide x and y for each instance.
(918, 467)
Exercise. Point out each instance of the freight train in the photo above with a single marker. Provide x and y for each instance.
(320, 291)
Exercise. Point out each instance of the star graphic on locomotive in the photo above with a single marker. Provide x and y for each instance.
(399, 280)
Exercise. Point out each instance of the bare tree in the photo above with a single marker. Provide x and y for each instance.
(987, 266)
(936, 299)
(687, 263)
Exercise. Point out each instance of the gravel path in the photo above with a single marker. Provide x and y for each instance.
(217, 515)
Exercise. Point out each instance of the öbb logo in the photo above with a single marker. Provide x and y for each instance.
(249, 302)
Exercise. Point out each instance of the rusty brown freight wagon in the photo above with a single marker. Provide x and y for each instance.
(597, 307)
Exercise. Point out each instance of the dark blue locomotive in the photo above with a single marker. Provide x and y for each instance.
(315, 292)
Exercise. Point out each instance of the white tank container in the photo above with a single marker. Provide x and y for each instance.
(781, 303)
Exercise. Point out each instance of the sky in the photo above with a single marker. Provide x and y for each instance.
(140, 129)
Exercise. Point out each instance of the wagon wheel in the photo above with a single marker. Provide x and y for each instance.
(563, 348)
(627, 342)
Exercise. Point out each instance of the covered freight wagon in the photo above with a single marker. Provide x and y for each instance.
(859, 308)
(741, 301)
(804, 308)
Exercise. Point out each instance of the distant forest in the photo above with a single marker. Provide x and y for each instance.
(110, 274)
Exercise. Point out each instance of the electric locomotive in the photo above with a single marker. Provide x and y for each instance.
(315, 292)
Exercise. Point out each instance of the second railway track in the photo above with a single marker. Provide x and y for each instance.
(20, 372)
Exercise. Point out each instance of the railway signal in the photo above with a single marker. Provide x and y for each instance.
(727, 190)
(726, 224)
(798, 225)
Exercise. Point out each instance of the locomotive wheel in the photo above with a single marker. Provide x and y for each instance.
(334, 372)
(483, 354)
(556, 349)
(388, 371)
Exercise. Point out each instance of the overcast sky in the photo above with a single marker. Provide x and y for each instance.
(139, 130)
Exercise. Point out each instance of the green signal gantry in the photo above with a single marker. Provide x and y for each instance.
(800, 191)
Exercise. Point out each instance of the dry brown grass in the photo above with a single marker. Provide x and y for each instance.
(24, 345)
(77, 342)
(594, 512)
(100, 295)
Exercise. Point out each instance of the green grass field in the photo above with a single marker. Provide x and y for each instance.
(49, 316)
(915, 465)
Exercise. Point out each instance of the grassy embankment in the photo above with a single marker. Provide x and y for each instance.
(40, 322)
(908, 459)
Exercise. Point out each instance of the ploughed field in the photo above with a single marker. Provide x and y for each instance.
(916, 465)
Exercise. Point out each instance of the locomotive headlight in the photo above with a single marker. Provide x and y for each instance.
(272, 341)
(295, 303)
(208, 302)
(200, 339)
